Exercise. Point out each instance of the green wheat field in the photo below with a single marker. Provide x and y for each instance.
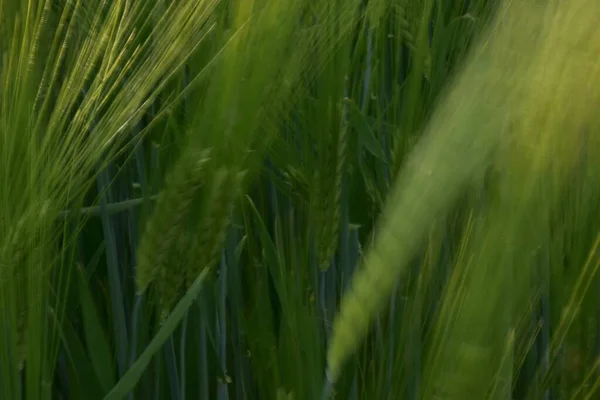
(299, 199)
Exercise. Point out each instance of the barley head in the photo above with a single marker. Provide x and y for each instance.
(171, 212)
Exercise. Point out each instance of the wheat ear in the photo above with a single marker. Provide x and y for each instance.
(171, 211)
(326, 200)
(172, 279)
(223, 192)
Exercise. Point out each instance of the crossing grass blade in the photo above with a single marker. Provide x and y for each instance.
(131, 378)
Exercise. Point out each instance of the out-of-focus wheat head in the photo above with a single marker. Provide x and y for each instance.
(562, 93)
(524, 100)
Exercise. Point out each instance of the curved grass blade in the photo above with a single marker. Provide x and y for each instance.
(133, 375)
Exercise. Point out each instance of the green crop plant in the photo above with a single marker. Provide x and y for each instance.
(267, 199)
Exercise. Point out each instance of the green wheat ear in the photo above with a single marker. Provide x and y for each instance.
(327, 194)
(13, 272)
(16, 246)
(172, 279)
(225, 188)
(171, 211)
